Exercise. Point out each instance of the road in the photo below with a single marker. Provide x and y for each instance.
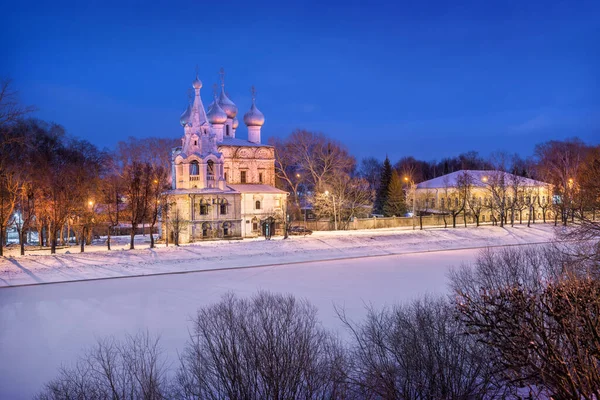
(42, 327)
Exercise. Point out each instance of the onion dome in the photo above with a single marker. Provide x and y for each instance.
(216, 115)
(197, 84)
(227, 105)
(236, 123)
(185, 117)
(254, 117)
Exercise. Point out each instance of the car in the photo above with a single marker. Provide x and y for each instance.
(299, 230)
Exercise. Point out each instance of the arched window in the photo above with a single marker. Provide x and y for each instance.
(226, 130)
(226, 229)
(210, 170)
(194, 168)
(205, 229)
(257, 205)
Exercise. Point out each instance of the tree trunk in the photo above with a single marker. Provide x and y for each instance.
(445, 222)
(1, 241)
(152, 236)
(52, 237)
(83, 239)
(131, 245)
(108, 238)
(453, 220)
(465, 218)
(421, 221)
(22, 241)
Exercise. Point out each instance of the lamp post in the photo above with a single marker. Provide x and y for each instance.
(334, 212)
(413, 191)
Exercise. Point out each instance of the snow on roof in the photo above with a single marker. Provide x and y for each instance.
(229, 141)
(251, 188)
(478, 178)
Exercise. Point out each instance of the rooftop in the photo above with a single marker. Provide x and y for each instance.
(478, 178)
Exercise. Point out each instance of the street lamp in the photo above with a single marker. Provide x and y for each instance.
(414, 195)
(334, 212)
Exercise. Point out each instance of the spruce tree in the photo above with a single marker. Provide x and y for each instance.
(384, 184)
(395, 204)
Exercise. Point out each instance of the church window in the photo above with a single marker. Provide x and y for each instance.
(205, 229)
(194, 168)
(210, 167)
(243, 176)
(257, 205)
(195, 143)
(223, 209)
(227, 130)
(203, 209)
(260, 180)
(226, 228)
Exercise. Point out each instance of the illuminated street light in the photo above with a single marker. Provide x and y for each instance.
(334, 213)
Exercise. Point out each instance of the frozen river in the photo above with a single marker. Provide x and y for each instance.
(42, 327)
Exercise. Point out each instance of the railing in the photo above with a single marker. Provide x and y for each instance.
(210, 177)
(194, 178)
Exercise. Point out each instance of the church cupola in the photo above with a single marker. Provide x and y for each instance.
(254, 120)
(226, 104)
(218, 118)
(185, 117)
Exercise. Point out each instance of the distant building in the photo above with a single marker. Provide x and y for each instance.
(222, 185)
(488, 194)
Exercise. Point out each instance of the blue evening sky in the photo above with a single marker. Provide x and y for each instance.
(425, 78)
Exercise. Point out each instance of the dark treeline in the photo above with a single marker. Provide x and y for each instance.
(519, 323)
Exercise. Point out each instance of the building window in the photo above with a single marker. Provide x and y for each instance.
(210, 170)
(223, 210)
(432, 203)
(203, 209)
(195, 143)
(194, 168)
(226, 130)
(257, 205)
(483, 218)
(226, 229)
(226, 176)
(442, 202)
(205, 229)
(260, 177)
(243, 176)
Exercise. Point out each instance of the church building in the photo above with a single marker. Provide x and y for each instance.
(223, 186)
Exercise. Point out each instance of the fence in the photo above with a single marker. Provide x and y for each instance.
(391, 222)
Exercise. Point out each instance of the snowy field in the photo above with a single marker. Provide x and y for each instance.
(44, 326)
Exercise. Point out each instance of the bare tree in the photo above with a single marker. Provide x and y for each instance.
(120, 370)
(416, 351)
(11, 109)
(536, 309)
(267, 347)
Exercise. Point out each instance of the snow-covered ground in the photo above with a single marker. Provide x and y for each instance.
(44, 326)
(96, 262)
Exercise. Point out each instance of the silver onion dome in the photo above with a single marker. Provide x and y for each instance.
(254, 117)
(227, 105)
(235, 123)
(216, 115)
(197, 84)
(185, 117)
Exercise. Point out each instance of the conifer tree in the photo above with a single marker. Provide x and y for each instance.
(382, 192)
(395, 204)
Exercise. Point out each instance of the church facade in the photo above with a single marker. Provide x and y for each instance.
(223, 186)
